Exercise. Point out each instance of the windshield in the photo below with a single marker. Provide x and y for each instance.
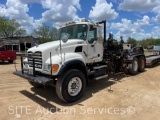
(78, 31)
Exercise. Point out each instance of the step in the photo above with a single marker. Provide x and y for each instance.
(99, 67)
(100, 77)
(91, 72)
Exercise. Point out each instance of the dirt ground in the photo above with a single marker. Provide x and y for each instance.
(119, 97)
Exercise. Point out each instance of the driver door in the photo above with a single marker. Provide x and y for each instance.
(95, 48)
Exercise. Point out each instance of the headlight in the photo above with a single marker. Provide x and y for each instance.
(25, 64)
(48, 67)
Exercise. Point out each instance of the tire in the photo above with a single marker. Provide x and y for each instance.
(72, 78)
(133, 67)
(141, 64)
(36, 85)
(10, 61)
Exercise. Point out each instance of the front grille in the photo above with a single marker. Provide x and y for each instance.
(37, 56)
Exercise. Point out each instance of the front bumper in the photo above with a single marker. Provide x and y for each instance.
(37, 79)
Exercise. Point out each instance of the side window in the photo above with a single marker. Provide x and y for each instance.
(92, 34)
(82, 34)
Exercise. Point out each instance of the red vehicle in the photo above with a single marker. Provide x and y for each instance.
(6, 55)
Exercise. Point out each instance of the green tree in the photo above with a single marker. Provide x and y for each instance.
(131, 41)
(42, 32)
(149, 42)
(10, 28)
(46, 33)
(142, 43)
(3, 27)
(53, 33)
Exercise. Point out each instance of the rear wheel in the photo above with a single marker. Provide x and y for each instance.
(10, 61)
(141, 63)
(133, 67)
(71, 86)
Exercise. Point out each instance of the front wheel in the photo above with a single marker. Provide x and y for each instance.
(71, 86)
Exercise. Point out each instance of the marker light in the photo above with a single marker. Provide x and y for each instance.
(84, 20)
(55, 67)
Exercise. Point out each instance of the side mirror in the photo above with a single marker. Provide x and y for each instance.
(65, 38)
(94, 43)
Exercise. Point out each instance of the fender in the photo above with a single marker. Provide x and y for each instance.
(71, 63)
(77, 64)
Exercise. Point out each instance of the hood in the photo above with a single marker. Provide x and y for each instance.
(54, 44)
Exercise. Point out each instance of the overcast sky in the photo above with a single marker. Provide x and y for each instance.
(130, 18)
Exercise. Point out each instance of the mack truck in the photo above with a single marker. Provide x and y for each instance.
(81, 53)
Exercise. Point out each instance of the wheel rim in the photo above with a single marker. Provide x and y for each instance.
(135, 65)
(74, 86)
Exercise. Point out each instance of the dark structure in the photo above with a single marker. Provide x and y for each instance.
(19, 44)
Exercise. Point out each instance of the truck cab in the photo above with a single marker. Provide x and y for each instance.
(76, 41)
(86, 35)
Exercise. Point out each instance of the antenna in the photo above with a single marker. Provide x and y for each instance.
(51, 62)
(61, 50)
